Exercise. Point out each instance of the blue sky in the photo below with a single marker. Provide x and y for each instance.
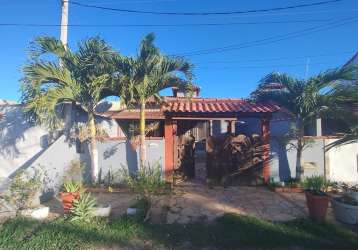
(233, 73)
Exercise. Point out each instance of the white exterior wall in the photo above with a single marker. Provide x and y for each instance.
(19, 140)
(342, 161)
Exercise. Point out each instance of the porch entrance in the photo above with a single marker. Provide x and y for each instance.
(207, 150)
(189, 148)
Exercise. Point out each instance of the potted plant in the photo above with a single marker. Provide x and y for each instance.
(71, 192)
(345, 207)
(316, 197)
(23, 195)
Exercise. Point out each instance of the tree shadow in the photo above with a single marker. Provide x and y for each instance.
(12, 128)
(109, 152)
(280, 151)
(131, 158)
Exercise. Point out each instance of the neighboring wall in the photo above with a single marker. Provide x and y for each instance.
(118, 154)
(24, 146)
(342, 162)
(283, 159)
(20, 141)
(54, 162)
(113, 156)
(338, 164)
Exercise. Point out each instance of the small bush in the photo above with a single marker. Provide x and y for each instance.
(23, 189)
(293, 183)
(145, 181)
(315, 184)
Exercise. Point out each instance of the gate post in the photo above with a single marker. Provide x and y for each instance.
(265, 133)
(169, 133)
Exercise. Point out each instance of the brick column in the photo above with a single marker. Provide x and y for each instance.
(169, 133)
(265, 133)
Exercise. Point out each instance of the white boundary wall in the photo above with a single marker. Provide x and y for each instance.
(342, 162)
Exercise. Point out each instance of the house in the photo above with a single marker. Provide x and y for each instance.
(173, 120)
(176, 126)
(178, 117)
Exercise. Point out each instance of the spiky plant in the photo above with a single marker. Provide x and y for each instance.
(82, 209)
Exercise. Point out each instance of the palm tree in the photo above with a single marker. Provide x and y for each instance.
(304, 99)
(81, 78)
(145, 75)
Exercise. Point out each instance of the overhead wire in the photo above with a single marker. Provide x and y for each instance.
(271, 39)
(9, 24)
(236, 12)
(281, 58)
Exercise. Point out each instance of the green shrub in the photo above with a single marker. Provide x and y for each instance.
(293, 183)
(82, 209)
(316, 185)
(23, 189)
(272, 183)
(145, 181)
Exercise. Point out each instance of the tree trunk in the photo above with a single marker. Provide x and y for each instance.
(299, 169)
(93, 148)
(142, 153)
(299, 163)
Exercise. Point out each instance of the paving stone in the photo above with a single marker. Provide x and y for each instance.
(172, 218)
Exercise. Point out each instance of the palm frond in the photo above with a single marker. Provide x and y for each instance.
(147, 49)
(40, 73)
(84, 77)
(47, 45)
(333, 76)
(349, 138)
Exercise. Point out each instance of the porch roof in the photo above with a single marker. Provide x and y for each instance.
(176, 106)
(215, 105)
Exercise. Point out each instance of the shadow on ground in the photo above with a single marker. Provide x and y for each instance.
(227, 232)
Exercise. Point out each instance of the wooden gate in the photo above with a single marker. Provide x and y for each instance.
(188, 132)
(185, 156)
(231, 156)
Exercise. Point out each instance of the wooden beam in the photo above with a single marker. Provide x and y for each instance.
(195, 118)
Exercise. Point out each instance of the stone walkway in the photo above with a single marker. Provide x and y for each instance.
(195, 202)
(192, 202)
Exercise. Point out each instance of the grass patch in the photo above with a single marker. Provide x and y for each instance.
(227, 232)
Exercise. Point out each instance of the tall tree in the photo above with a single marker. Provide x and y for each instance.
(145, 75)
(305, 99)
(83, 79)
(344, 107)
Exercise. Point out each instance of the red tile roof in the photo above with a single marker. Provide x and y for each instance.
(183, 105)
(215, 105)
